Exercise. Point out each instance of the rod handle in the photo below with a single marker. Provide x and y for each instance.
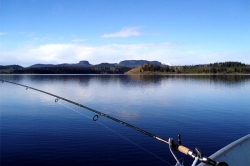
(183, 149)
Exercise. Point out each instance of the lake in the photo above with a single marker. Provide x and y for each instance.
(208, 111)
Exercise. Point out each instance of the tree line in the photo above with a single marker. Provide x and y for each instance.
(223, 67)
(212, 68)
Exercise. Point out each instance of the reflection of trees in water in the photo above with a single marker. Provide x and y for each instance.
(82, 80)
(45, 79)
(224, 79)
(14, 78)
(127, 80)
(147, 79)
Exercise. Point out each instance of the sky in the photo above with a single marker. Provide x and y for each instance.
(175, 32)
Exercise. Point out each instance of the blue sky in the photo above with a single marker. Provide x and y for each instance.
(176, 32)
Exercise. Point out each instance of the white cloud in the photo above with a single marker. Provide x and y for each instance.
(168, 53)
(124, 32)
(72, 53)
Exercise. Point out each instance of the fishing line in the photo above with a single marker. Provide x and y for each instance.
(177, 147)
(117, 134)
(134, 143)
(95, 111)
(56, 100)
(110, 129)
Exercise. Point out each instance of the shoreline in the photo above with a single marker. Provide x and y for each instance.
(165, 73)
(142, 73)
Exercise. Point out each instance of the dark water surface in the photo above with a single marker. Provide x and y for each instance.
(208, 111)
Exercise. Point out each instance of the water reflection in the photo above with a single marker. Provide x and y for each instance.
(196, 106)
(224, 79)
(129, 79)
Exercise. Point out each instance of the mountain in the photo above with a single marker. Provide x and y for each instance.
(41, 65)
(136, 63)
(125, 63)
(129, 63)
(83, 63)
(11, 67)
(128, 67)
(80, 64)
(106, 65)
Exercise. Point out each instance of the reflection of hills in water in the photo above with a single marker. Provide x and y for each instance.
(136, 80)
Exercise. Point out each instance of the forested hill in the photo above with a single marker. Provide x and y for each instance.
(212, 68)
(67, 70)
(83, 67)
(149, 68)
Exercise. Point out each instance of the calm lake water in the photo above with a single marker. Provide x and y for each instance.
(209, 112)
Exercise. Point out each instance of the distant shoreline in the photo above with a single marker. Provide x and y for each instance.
(166, 73)
(223, 68)
(226, 68)
(156, 73)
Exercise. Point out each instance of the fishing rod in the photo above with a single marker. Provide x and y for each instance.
(197, 155)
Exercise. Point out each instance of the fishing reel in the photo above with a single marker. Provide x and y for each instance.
(197, 155)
